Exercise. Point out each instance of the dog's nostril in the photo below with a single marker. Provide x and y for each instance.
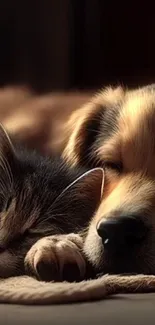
(125, 230)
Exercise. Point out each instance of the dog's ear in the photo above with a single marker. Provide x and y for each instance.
(84, 126)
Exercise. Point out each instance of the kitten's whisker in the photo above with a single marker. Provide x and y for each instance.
(2, 196)
(3, 187)
(52, 217)
(6, 168)
(57, 200)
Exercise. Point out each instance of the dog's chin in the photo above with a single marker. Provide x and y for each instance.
(103, 262)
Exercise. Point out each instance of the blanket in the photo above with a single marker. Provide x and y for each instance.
(29, 291)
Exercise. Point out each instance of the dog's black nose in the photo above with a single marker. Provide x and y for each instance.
(121, 232)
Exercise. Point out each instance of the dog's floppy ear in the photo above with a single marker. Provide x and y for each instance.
(84, 125)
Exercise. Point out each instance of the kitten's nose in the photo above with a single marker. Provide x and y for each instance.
(121, 232)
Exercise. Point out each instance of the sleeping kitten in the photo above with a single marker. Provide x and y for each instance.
(45, 208)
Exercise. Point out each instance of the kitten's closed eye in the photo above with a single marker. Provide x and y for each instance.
(5, 203)
(8, 203)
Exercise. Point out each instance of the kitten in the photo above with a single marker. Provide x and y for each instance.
(45, 208)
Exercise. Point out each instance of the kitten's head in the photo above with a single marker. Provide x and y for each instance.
(41, 196)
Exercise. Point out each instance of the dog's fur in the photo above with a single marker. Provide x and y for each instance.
(117, 129)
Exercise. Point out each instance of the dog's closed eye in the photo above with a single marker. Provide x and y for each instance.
(113, 165)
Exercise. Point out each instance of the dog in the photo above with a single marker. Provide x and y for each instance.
(116, 131)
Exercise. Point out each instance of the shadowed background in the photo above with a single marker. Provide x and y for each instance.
(61, 52)
(70, 44)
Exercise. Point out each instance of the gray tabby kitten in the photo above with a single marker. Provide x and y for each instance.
(45, 209)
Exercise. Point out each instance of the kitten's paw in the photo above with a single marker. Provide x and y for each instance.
(57, 258)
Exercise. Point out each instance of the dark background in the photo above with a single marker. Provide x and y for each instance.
(76, 44)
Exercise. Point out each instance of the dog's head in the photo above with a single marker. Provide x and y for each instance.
(117, 130)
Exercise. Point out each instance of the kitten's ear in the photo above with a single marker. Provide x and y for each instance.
(6, 146)
(7, 159)
(90, 184)
(82, 197)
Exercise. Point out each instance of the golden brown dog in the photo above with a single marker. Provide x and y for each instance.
(116, 129)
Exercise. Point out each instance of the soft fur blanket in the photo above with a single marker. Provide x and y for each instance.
(26, 290)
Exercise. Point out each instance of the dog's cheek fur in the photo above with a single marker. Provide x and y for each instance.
(88, 123)
(133, 194)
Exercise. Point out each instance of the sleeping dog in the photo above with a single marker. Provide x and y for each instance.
(116, 130)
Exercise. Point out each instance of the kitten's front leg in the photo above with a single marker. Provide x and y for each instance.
(57, 257)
